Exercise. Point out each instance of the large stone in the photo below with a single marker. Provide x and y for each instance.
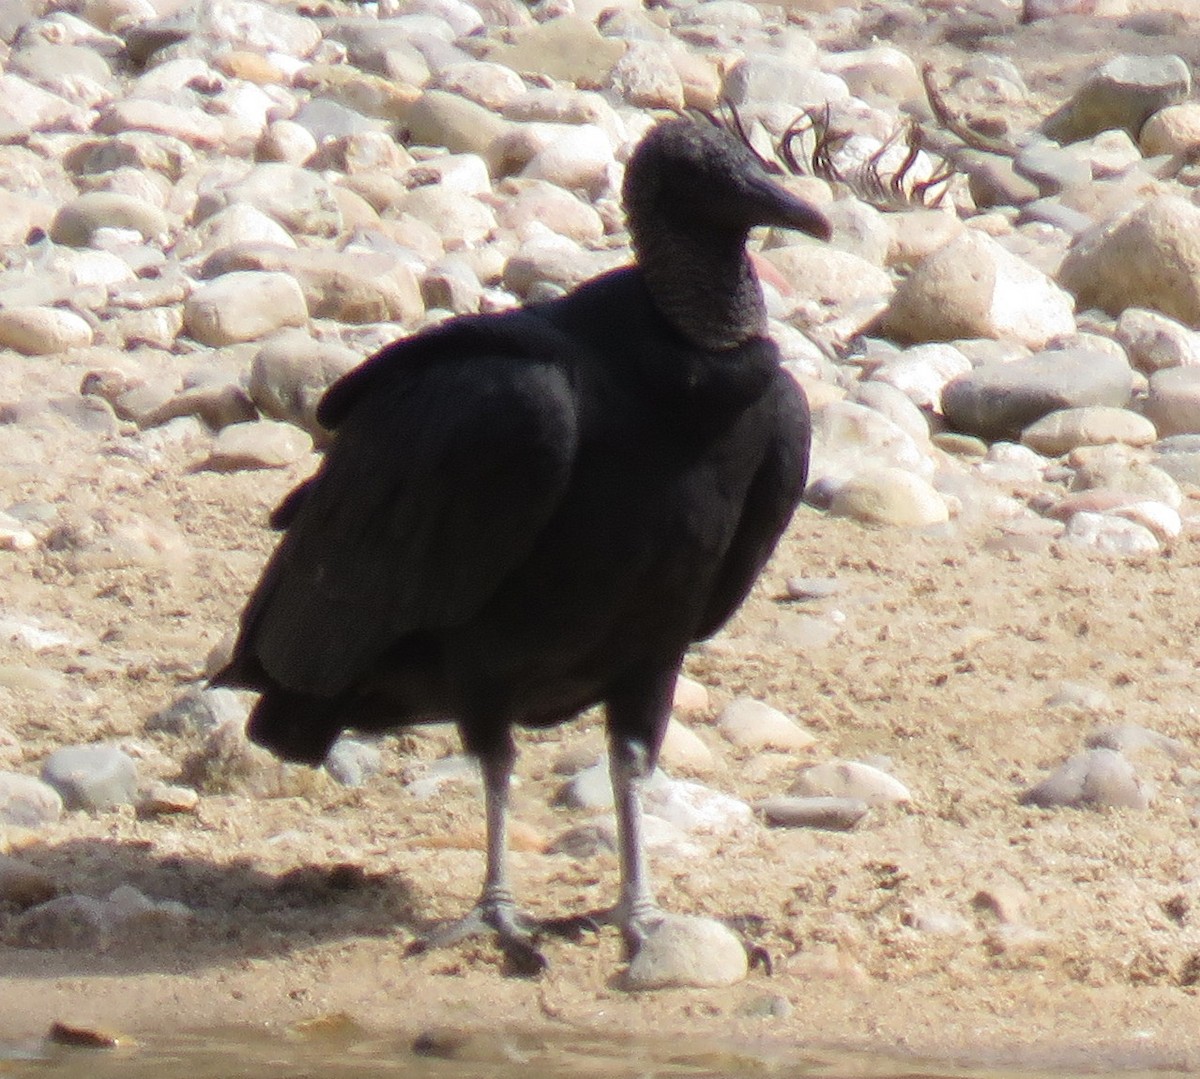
(292, 371)
(974, 287)
(1149, 257)
(244, 306)
(91, 777)
(889, 496)
(1173, 404)
(348, 286)
(77, 221)
(999, 400)
(41, 331)
(1094, 425)
(1123, 94)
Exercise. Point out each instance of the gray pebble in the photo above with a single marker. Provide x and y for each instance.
(1094, 779)
(352, 762)
(198, 710)
(91, 776)
(834, 814)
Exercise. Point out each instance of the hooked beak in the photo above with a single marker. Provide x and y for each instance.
(771, 204)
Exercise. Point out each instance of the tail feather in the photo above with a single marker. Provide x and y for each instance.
(295, 726)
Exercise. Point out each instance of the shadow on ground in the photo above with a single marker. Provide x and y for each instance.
(237, 910)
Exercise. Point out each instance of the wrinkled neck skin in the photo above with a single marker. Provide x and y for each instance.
(704, 286)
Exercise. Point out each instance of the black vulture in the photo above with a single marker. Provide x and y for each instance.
(521, 515)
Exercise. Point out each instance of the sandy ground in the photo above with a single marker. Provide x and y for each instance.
(1086, 955)
(949, 649)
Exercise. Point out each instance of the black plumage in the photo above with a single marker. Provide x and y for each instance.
(525, 514)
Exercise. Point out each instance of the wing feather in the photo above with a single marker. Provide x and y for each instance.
(436, 487)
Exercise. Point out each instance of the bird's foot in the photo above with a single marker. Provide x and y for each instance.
(517, 934)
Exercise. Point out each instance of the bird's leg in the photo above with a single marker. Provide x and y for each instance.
(496, 910)
(637, 912)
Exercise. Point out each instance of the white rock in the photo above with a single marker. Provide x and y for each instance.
(890, 496)
(1110, 534)
(921, 373)
(40, 331)
(847, 437)
(694, 807)
(684, 951)
(578, 157)
(974, 287)
(753, 724)
(244, 306)
(258, 444)
(851, 779)
(1066, 429)
(1147, 257)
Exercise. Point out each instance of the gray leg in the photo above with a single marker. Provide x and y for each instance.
(636, 911)
(496, 911)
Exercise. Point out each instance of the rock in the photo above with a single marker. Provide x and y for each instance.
(198, 710)
(78, 221)
(1117, 468)
(994, 181)
(848, 438)
(973, 287)
(825, 284)
(569, 48)
(92, 777)
(228, 763)
(292, 371)
(352, 762)
(355, 287)
(661, 839)
(754, 725)
(166, 799)
(690, 697)
(921, 373)
(80, 922)
(683, 951)
(1093, 779)
(1110, 534)
(1173, 403)
(42, 331)
(259, 444)
(578, 158)
(1094, 425)
(427, 779)
(437, 118)
(23, 886)
(1148, 257)
(589, 789)
(192, 127)
(1124, 93)
(1154, 342)
(694, 807)
(850, 779)
(244, 306)
(999, 400)
(682, 750)
(833, 814)
(1173, 131)
(1129, 738)
(890, 496)
(646, 78)
(300, 200)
